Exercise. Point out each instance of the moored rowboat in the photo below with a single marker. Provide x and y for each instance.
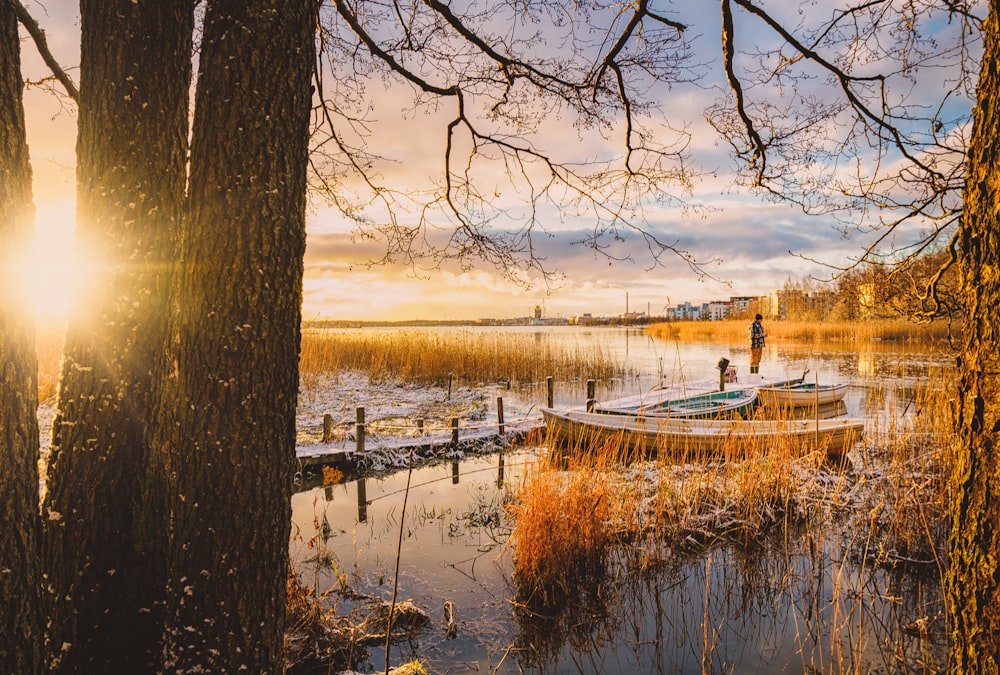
(712, 405)
(801, 394)
(688, 438)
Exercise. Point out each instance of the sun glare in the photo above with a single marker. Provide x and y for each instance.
(51, 269)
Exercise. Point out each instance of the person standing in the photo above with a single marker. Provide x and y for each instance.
(757, 336)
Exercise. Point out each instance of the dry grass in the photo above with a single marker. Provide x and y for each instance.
(563, 532)
(430, 357)
(804, 331)
(904, 482)
(894, 499)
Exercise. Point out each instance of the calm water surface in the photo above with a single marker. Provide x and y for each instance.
(787, 607)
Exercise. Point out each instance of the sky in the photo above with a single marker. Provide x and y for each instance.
(758, 245)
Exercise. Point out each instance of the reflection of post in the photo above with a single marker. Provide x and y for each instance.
(500, 423)
(362, 501)
(454, 473)
(454, 431)
(328, 493)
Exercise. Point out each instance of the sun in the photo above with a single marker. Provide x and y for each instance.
(51, 269)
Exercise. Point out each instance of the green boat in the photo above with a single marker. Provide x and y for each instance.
(730, 404)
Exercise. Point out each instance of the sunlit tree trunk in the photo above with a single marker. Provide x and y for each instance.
(974, 546)
(21, 624)
(102, 544)
(238, 338)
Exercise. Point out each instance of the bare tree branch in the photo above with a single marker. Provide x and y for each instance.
(38, 36)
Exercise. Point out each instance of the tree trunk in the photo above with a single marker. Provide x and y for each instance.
(974, 545)
(238, 338)
(20, 599)
(100, 539)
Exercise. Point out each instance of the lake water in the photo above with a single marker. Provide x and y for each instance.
(788, 606)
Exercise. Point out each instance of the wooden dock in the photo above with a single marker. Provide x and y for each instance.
(387, 452)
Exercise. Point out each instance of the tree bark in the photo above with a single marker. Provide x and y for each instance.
(234, 396)
(973, 580)
(20, 597)
(104, 546)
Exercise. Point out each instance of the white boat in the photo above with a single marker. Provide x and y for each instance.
(696, 438)
(794, 395)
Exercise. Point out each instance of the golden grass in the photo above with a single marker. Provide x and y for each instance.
(430, 357)
(894, 499)
(906, 499)
(803, 331)
(562, 533)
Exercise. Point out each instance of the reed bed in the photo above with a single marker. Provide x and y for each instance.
(888, 509)
(806, 331)
(432, 357)
(565, 534)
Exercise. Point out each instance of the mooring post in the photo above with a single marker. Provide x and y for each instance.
(722, 365)
(454, 431)
(549, 391)
(359, 429)
(327, 428)
(591, 389)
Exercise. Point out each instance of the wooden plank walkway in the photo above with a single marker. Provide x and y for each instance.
(343, 453)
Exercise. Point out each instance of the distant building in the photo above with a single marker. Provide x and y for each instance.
(718, 310)
(739, 305)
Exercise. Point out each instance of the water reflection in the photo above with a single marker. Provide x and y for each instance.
(787, 606)
(811, 601)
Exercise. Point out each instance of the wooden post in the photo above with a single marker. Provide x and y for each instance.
(359, 429)
(454, 431)
(420, 426)
(591, 389)
(327, 428)
(550, 393)
(451, 376)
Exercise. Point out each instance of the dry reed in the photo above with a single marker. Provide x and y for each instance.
(562, 534)
(431, 357)
(805, 331)
(897, 494)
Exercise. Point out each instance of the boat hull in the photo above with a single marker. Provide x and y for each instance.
(801, 395)
(692, 439)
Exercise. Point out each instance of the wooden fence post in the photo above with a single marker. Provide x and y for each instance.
(359, 429)
(500, 415)
(549, 391)
(327, 428)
